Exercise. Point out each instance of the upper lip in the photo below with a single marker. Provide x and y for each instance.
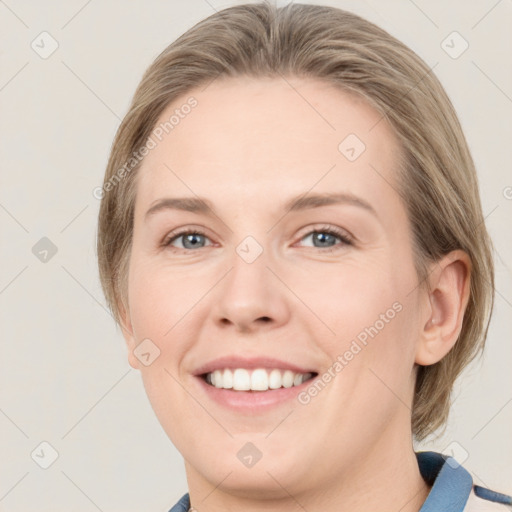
(233, 362)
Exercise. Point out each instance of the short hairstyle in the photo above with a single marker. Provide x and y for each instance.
(437, 179)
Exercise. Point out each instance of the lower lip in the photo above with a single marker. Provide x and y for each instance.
(251, 401)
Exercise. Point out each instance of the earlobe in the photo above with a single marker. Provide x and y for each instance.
(448, 298)
(127, 330)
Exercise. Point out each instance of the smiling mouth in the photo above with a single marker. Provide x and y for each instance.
(259, 379)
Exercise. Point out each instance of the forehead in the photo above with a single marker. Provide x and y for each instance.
(253, 139)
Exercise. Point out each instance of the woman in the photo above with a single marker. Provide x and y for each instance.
(292, 241)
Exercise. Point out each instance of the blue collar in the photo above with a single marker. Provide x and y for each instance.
(451, 484)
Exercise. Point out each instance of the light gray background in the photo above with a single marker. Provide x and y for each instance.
(64, 376)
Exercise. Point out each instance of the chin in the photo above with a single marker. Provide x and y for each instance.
(241, 469)
(258, 482)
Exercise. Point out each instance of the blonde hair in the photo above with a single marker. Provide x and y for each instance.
(437, 182)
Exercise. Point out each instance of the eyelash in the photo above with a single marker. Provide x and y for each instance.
(345, 238)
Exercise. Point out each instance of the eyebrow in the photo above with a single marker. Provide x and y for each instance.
(303, 202)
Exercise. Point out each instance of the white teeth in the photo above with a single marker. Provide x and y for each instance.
(227, 379)
(217, 378)
(297, 381)
(275, 380)
(241, 380)
(259, 379)
(288, 379)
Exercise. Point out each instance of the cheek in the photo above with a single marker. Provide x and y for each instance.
(347, 298)
(159, 297)
(366, 316)
(161, 311)
(161, 303)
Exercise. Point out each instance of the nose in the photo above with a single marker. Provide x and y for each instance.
(251, 296)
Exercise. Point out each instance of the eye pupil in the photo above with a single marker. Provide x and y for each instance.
(192, 238)
(323, 237)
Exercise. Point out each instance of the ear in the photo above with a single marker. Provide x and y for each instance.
(448, 295)
(127, 329)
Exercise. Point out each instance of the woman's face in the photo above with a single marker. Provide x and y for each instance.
(302, 263)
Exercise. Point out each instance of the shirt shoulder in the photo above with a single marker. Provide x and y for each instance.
(182, 505)
(485, 500)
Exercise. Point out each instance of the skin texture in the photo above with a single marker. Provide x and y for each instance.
(248, 147)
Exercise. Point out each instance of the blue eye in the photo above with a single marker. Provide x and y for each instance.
(325, 237)
(191, 239)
